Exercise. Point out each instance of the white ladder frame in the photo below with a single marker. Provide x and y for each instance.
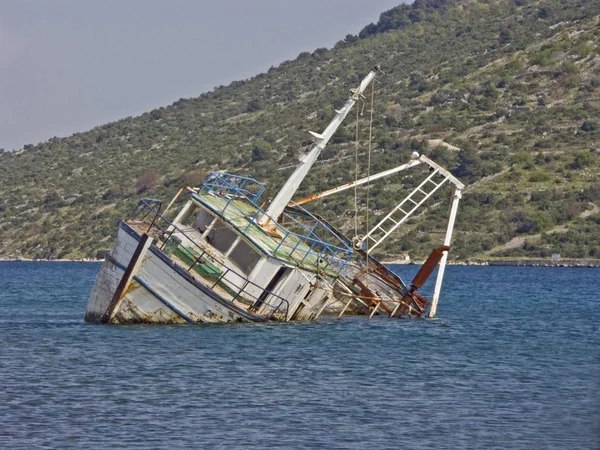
(407, 214)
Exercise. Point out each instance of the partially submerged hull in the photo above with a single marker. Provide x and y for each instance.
(214, 264)
(224, 259)
(160, 291)
(145, 285)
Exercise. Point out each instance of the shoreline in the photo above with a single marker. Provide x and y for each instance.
(594, 263)
(51, 260)
(567, 262)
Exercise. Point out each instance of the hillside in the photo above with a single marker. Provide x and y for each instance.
(515, 85)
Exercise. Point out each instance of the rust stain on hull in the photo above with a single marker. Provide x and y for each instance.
(129, 313)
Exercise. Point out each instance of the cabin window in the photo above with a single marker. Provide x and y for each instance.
(203, 220)
(245, 257)
(221, 237)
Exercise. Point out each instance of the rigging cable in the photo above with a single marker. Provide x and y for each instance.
(369, 165)
(356, 177)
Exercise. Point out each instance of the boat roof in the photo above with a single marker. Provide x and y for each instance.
(307, 252)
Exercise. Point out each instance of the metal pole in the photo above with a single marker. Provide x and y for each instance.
(209, 228)
(233, 246)
(325, 303)
(375, 309)
(395, 309)
(173, 201)
(447, 240)
(219, 279)
(345, 307)
(290, 187)
(356, 183)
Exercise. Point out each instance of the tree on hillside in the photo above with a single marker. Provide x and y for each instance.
(146, 181)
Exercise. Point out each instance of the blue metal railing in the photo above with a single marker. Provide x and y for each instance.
(166, 229)
(228, 185)
(298, 247)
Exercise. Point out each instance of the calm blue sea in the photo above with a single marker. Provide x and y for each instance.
(513, 361)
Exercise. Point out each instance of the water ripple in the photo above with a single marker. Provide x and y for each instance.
(512, 362)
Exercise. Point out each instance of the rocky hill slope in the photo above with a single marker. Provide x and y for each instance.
(512, 85)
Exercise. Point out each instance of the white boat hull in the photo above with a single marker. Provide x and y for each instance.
(159, 292)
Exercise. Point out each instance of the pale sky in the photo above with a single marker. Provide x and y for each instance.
(69, 65)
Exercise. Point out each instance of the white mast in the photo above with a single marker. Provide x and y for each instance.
(288, 190)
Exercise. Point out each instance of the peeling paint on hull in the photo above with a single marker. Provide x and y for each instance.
(160, 284)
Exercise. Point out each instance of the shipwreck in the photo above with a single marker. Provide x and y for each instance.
(230, 256)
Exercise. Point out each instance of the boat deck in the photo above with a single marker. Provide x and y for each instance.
(206, 269)
(307, 253)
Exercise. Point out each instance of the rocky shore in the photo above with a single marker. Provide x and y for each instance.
(545, 262)
(473, 262)
(49, 260)
(516, 262)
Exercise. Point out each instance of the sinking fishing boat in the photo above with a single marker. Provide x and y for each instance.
(228, 256)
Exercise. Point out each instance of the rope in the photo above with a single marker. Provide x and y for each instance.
(356, 178)
(369, 165)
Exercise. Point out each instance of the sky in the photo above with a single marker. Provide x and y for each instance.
(69, 65)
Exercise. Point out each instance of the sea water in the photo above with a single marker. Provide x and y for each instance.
(513, 361)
